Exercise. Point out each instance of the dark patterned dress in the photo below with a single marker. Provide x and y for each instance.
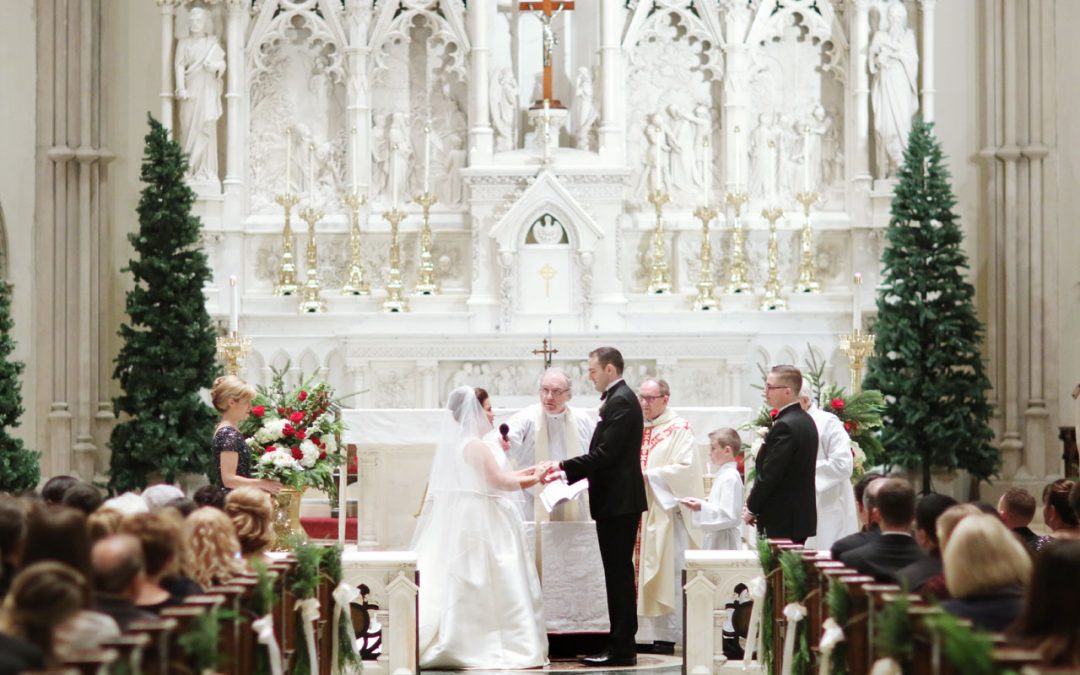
(229, 439)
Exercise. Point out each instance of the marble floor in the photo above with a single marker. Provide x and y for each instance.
(653, 664)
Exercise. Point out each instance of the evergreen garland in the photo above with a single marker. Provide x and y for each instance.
(262, 604)
(346, 637)
(969, 652)
(304, 584)
(19, 468)
(768, 568)
(202, 640)
(796, 587)
(839, 611)
(168, 354)
(927, 359)
(892, 631)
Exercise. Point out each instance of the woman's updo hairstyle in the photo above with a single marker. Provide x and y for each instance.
(251, 513)
(229, 388)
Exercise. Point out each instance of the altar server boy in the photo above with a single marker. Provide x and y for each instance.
(720, 518)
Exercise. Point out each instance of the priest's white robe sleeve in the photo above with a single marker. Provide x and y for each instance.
(835, 462)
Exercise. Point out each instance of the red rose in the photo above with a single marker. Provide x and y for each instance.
(300, 435)
(269, 448)
(281, 411)
(297, 417)
(837, 404)
(258, 411)
(297, 454)
(322, 455)
(850, 426)
(288, 430)
(774, 412)
(302, 396)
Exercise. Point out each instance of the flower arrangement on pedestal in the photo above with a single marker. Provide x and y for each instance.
(293, 435)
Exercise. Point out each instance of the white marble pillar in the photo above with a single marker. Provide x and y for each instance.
(481, 16)
(358, 17)
(612, 108)
(736, 95)
(236, 130)
(926, 59)
(168, 16)
(699, 619)
(859, 150)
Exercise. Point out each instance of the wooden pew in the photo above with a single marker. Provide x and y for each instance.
(184, 616)
(780, 599)
(156, 653)
(855, 631)
(131, 648)
(233, 656)
(92, 661)
(324, 638)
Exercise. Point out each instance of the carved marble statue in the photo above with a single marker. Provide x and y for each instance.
(380, 154)
(400, 152)
(584, 111)
(656, 174)
(504, 109)
(818, 125)
(765, 153)
(894, 66)
(200, 64)
(832, 152)
(683, 153)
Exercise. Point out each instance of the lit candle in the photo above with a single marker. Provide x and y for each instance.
(311, 171)
(234, 310)
(288, 160)
(427, 157)
(856, 311)
(355, 167)
(737, 162)
(806, 159)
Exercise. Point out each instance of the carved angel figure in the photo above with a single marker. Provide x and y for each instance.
(200, 64)
(504, 109)
(584, 110)
(380, 155)
(894, 65)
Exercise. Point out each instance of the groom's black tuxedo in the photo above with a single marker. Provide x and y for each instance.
(616, 500)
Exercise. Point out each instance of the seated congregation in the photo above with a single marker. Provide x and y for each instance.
(151, 583)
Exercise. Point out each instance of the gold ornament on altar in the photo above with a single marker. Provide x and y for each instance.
(808, 281)
(773, 298)
(426, 281)
(356, 283)
(659, 282)
(858, 346)
(395, 298)
(312, 301)
(738, 278)
(286, 282)
(706, 299)
(232, 349)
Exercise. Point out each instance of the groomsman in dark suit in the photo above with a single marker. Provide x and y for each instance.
(782, 501)
(616, 498)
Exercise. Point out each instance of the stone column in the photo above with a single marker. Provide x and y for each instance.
(481, 136)
(859, 146)
(403, 635)
(699, 624)
(236, 132)
(927, 59)
(168, 17)
(612, 107)
(367, 466)
(358, 90)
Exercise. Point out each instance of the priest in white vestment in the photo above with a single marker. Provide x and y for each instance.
(720, 517)
(672, 472)
(836, 514)
(549, 431)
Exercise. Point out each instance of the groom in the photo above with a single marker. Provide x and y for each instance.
(616, 498)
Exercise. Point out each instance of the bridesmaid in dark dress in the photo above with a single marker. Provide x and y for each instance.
(232, 458)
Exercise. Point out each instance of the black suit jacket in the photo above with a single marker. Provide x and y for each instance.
(854, 541)
(884, 557)
(613, 463)
(919, 572)
(783, 497)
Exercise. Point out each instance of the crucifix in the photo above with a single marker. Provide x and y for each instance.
(546, 11)
(548, 352)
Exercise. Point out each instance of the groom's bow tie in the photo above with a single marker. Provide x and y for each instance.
(604, 395)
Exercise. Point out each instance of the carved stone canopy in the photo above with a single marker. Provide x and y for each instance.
(546, 195)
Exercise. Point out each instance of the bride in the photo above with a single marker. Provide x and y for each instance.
(480, 603)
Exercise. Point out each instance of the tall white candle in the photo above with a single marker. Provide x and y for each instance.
(806, 159)
(656, 157)
(708, 171)
(311, 171)
(234, 310)
(355, 166)
(856, 310)
(288, 161)
(427, 157)
(737, 162)
(393, 176)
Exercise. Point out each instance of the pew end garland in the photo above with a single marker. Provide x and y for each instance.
(793, 567)
(768, 568)
(969, 651)
(304, 584)
(839, 611)
(346, 653)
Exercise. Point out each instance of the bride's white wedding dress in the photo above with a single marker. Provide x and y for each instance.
(480, 601)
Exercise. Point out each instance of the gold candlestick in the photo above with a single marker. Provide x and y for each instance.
(312, 302)
(286, 283)
(426, 282)
(659, 282)
(705, 299)
(395, 300)
(357, 283)
(858, 347)
(773, 298)
(808, 281)
(738, 276)
(232, 349)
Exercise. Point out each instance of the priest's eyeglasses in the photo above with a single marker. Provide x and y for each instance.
(553, 393)
(650, 399)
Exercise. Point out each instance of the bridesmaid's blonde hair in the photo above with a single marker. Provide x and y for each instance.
(230, 388)
(211, 548)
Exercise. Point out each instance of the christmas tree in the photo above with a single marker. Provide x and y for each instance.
(168, 352)
(927, 360)
(19, 468)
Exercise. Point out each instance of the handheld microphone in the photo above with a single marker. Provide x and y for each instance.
(504, 429)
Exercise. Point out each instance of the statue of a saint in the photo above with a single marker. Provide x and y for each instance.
(583, 111)
(894, 65)
(504, 109)
(400, 156)
(200, 64)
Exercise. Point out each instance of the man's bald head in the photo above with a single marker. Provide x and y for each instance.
(118, 563)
